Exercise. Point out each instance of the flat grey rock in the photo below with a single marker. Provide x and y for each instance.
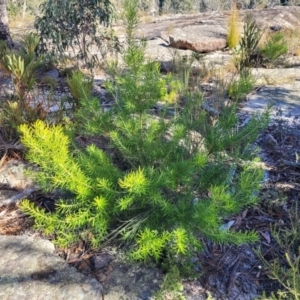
(54, 74)
(29, 270)
(212, 38)
(285, 98)
(276, 76)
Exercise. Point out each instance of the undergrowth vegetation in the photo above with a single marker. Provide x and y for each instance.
(274, 47)
(20, 66)
(250, 52)
(285, 268)
(162, 180)
(170, 166)
(74, 27)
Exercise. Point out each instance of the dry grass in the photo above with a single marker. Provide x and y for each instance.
(146, 17)
(230, 66)
(265, 79)
(20, 27)
(233, 30)
(170, 29)
(293, 38)
(290, 79)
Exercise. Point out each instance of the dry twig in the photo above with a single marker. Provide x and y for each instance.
(16, 198)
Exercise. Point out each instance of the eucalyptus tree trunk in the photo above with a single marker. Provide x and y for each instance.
(4, 29)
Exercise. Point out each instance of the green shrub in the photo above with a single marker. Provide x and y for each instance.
(21, 67)
(285, 269)
(80, 87)
(275, 46)
(239, 88)
(179, 6)
(247, 53)
(161, 181)
(250, 55)
(75, 24)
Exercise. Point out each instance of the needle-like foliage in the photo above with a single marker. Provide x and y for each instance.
(177, 172)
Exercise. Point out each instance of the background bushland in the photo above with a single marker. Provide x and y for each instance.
(179, 6)
(24, 7)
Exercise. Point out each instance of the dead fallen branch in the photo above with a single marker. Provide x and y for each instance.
(16, 146)
(209, 109)
(6, 147)
(290, 163)
(16, 198)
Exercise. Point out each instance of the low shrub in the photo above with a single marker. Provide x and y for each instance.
(240, 87)
(160, 181)
(285, 268)
(274, 47)
(21, 67)
(80, 87)
(247, 53)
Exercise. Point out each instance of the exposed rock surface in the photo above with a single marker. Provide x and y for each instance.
(285, 17)
(30, 270)
(199, 38)
(276, 76)
(283, 95)
(50, 75)
(159, 50)
(14, 186)
(205, 32)
(130, 282)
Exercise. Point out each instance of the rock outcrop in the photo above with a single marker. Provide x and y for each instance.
(198, 38)
(206, 32)
(29, 270)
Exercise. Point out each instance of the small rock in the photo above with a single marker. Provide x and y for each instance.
(269, 141)
(101, 261)
(276, 27)
(54, 74)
